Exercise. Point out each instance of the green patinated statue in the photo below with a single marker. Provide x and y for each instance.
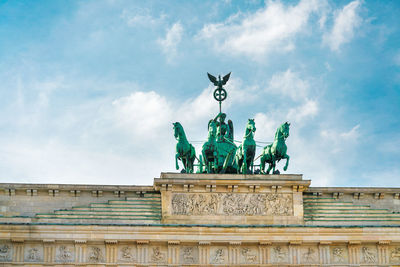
(219, 149)
(209, 150)
(184, 150)
(219, 153)
(246, 151)
(276, 151)
(224, 131)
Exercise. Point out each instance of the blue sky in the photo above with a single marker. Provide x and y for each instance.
(89, 89)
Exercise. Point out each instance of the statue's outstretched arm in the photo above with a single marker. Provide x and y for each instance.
(219, 115)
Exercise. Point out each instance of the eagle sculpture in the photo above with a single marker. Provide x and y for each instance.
(219, 82)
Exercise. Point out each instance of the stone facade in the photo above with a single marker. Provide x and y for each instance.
(200, 220)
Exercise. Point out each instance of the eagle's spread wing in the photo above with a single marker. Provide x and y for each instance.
(212, 79)
(226, 78)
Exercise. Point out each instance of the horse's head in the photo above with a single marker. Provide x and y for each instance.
(285, 129)
(177, 128)
(251, 125)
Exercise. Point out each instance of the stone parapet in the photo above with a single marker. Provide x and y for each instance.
(231, 199)
(30, 199)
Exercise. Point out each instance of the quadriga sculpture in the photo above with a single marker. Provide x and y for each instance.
(184, 150)
(246, 151)
(276, 151)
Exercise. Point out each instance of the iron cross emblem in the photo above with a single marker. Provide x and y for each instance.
(220, 93)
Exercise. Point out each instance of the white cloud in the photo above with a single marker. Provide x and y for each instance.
(300, 113)
(289, 84)
(352, 134)
(332, 135)
(346, 22)
(142, 113)
(273, 28)
(140, 17)
(266, 126)
(172, 39)
(338, 140)
(52, 161)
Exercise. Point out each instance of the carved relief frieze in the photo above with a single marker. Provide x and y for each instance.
(231, 204)
(158, 255)
(248, 255)
(369, 254)
(309, 255)
(395, 255)
(65, 253)
(189, 254)
(33, 253)
(127, 253)
(5, 252)
(280, 254)
(218, 255)
(95, 254)
(339, 254)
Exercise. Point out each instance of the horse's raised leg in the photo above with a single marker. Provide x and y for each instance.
(176, 161)
(287, 161)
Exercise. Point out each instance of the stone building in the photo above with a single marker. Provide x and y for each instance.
(200, 220)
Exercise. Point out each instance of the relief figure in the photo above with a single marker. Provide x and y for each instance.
(33, 254)
(248, 256)
(157, 255)
(64, 254)
(188, 255)
(4, 252)
(308, 256)
(368, 255)
(95, 255)
(395, 254)
(218, 256)
(279, 254)
(127, 254)
(338, 255)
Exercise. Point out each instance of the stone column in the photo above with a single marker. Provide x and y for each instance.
(80, 251)
(111, 251)
(354, 252)
(204, 253)
(383, 252)
(142, 251)
(294, 255)
(324, 253)
(18, 250)
(173, 252)
(264, 253)
(234, 253)
(49, 251)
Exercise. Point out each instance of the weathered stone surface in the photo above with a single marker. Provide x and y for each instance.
(204, 220)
